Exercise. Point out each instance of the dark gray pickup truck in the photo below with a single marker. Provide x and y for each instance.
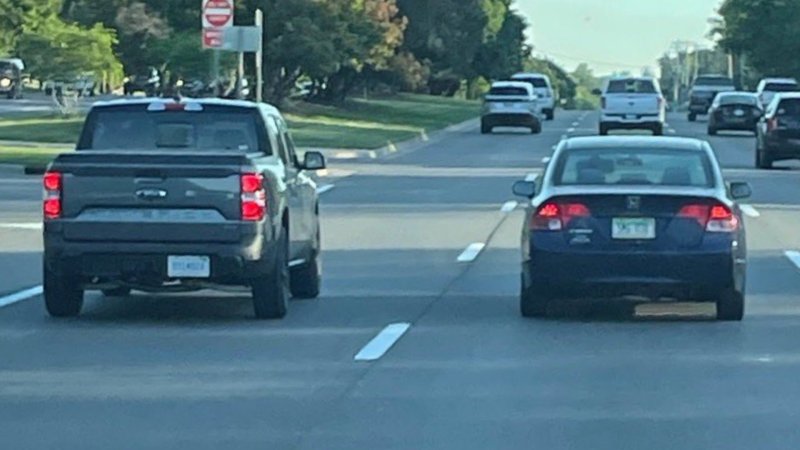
(166, 195)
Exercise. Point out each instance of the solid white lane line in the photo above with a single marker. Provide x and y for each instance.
(574, 124)
(533, 176)
(381, 343)
(794, 257)
(571, 130)
(750, 211)
(323, 189)
(671, 131)
(472, 252)
(297, 262)
(22, 226)
(509, 206)
(20, 296)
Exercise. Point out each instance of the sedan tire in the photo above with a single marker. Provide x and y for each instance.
(763, 161)
(712, 131)
(730, 306)
(532, 302)
(485, 128)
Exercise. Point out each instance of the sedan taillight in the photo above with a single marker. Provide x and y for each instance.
(716, 218)
(254, 197)
(553, 216)
(53, 183)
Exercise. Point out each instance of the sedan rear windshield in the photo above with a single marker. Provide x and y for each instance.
(610, 167)
(781, 87)
(740, 99)
(508, 91)
(789, 107)
(631, 87)
(125, 129)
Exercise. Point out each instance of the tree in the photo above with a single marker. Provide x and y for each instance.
(505, 51)
(17, 13)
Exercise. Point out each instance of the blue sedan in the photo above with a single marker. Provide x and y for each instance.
(633, 216)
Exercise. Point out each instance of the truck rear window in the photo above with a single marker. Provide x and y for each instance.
(536, 82)
(126, 129)
(713, 81)
(508, 90)
(781, 87)
(631, 87)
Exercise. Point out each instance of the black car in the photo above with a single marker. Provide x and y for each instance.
(738, 111)
(778, 132)
(148, 82)
(632, 216)
(11, 78)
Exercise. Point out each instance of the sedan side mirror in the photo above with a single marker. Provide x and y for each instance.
(314, 161)
(524, 189)
(740, 190)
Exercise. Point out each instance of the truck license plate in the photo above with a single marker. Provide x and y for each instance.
(188, 266)
(630, 116)
(633, 228)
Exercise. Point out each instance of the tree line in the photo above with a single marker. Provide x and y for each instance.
(441, 47)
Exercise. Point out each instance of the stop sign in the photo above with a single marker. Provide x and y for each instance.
(217, 13)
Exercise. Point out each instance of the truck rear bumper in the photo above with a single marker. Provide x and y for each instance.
(146, 263)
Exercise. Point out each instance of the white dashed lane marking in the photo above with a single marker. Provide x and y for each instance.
(22, 226)
(381, 343)
(471, 252)
(509, 206)
(325, 188)
(750, 211)
(794, 257)
(20, 296)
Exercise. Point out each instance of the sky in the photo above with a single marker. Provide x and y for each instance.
(613, 35)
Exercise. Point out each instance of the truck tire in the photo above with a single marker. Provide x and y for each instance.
(712, 131)
(532, 302)
(63, 295)
(536, 128)
(306, 279)
(550, 114)
(271, 293)
(763, 160)
(485, 128)
(730, 306)
(603, 130)
(692, 117)
(658, 130)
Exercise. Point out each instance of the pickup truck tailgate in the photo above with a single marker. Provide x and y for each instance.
(632, 104)
(129, 197)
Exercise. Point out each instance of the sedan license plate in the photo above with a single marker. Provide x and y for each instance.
(633, 228)
(188, 266)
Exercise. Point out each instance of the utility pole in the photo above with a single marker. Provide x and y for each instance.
(260, 58)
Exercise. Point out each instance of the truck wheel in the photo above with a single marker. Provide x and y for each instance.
(603, 130)
(485, 128)
(730, 306)
(537, 128)
(532, 303)
(63, 295)
(692, 117)
(658, 130)
(712, 131)
(271, 293)
(117, 292)
(550, 114)
(306, 279)
(763, 161)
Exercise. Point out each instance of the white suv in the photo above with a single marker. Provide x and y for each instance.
(769, 87)
(543, 89)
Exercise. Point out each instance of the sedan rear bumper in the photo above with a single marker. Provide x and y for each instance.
(606, 275)
(510, 120)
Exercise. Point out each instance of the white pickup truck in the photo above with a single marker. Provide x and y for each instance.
(632, 103)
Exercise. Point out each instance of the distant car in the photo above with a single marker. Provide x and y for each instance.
(632, 103)
(166, 196)
(149, 83)
(768, 87)
(85, 85)
(778, 132)
(650, 218)
(543, 89)
(511, 104)
(11, 77)
(738, 111)
(704, 90)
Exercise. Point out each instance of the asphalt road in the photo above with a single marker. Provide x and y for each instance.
(196, 371)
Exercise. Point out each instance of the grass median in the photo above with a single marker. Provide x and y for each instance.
(359, 124)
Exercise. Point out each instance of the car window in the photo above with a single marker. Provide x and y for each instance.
(507, 91)
(781, 87)
(631, 86)
(789, 107)
(737, 100)
(145, 130)
(276, 136)
(666, 167)
(288, 141)
(536, 82)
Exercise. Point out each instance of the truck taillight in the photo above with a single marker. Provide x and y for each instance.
(254, 197)
(714, 218)
(52, 182)
(553, 216)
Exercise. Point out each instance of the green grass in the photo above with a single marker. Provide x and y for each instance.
(28, 156)
(359, 124)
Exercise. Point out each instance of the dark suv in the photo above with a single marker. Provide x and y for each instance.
(779, 131)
